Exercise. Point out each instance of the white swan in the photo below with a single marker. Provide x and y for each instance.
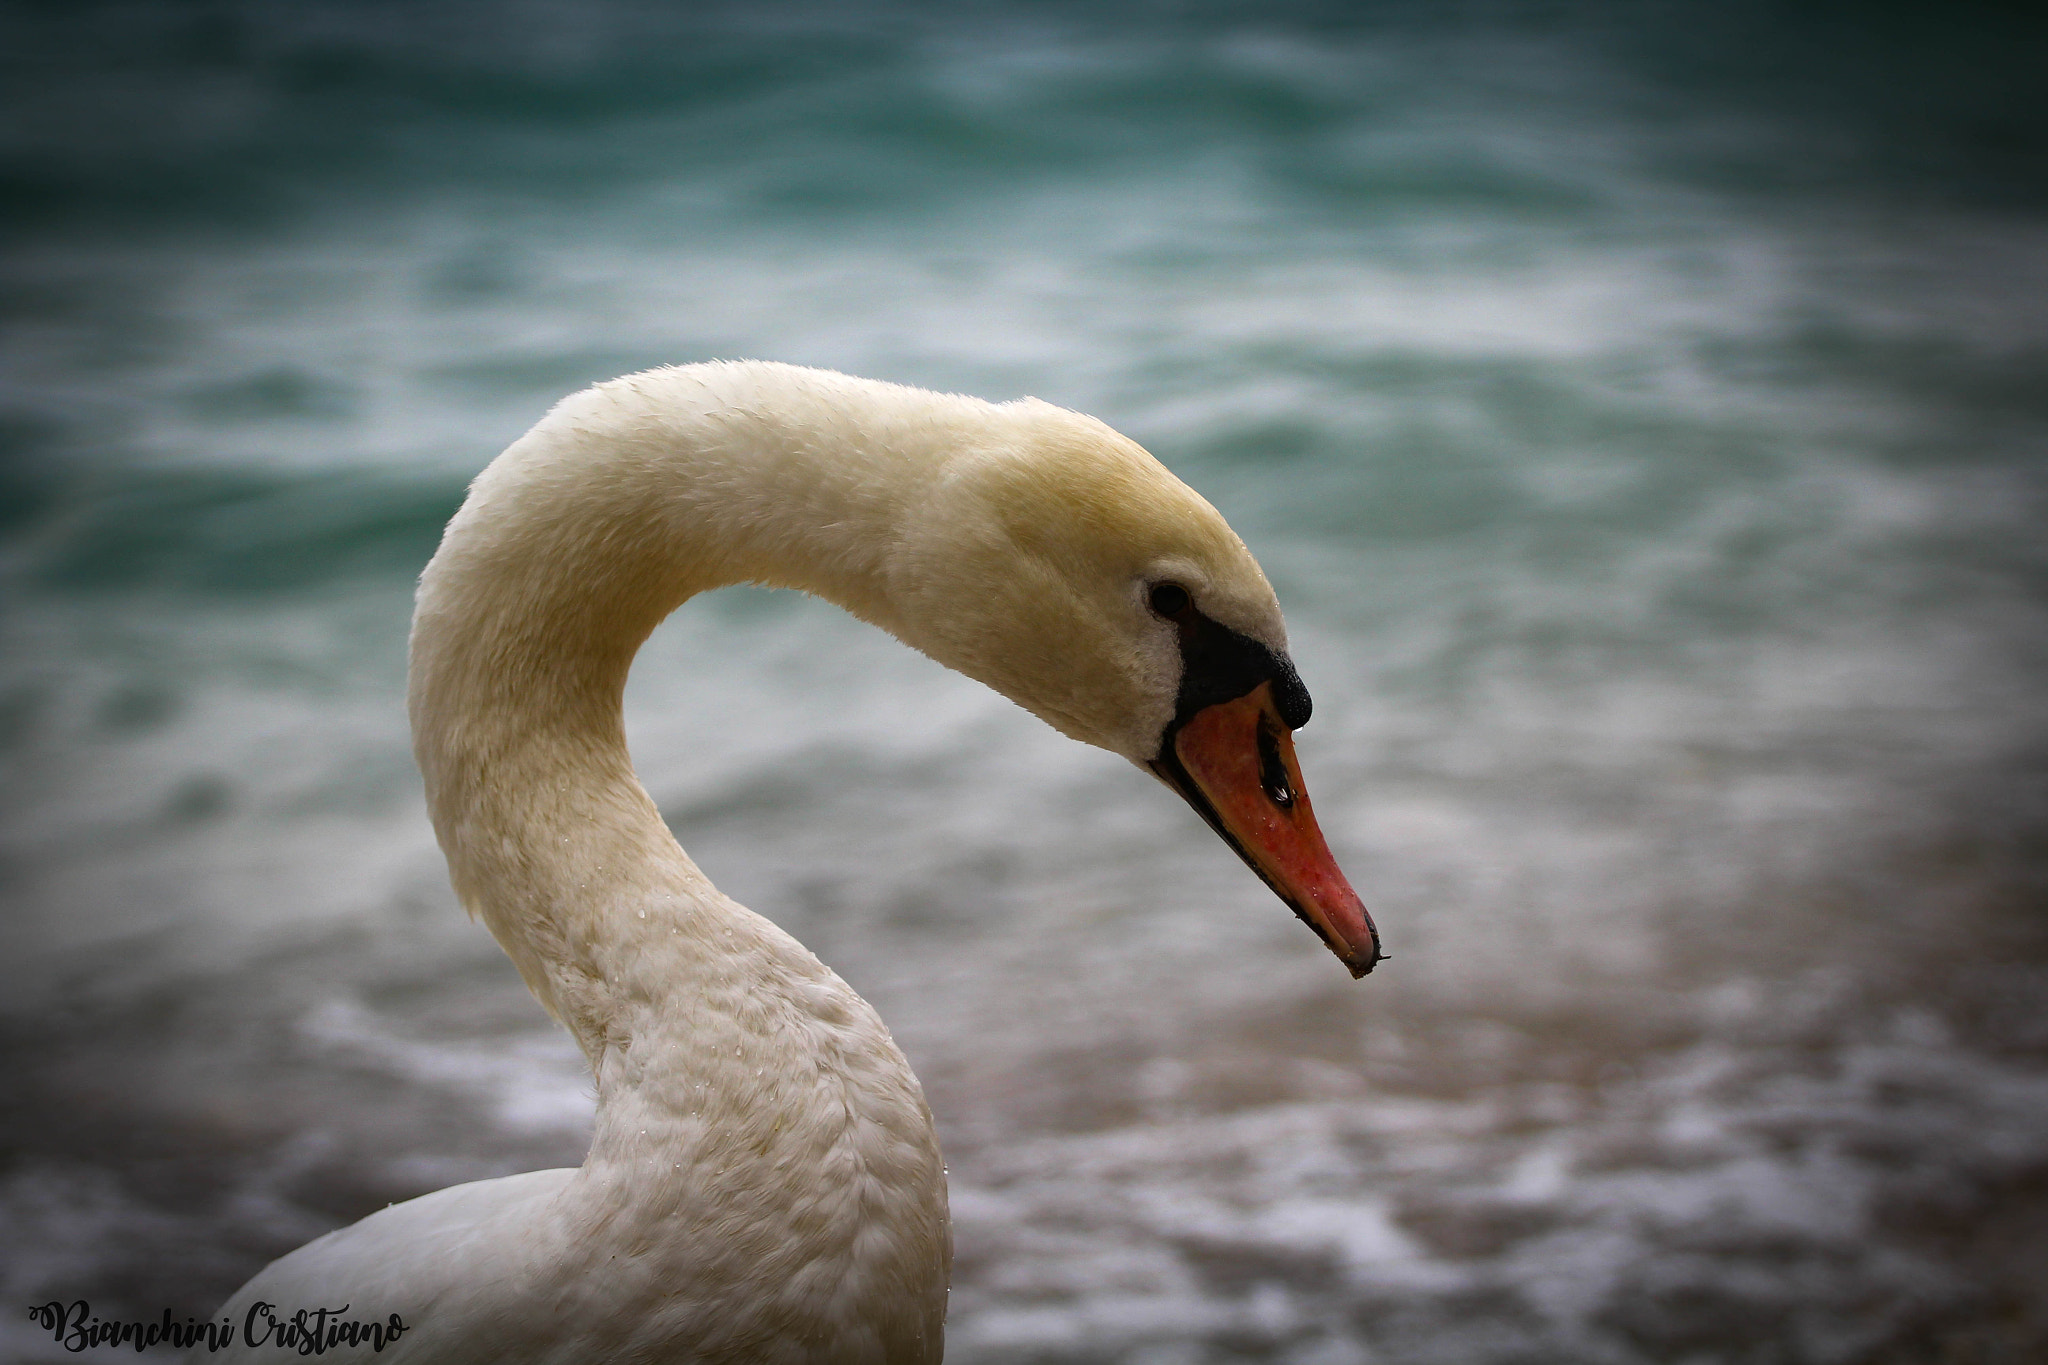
(764, 1184)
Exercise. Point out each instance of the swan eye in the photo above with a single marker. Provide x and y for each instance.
(1169, 599)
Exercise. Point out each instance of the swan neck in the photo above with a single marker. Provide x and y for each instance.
(571, 547)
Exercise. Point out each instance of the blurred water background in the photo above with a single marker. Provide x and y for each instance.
(1642, 412)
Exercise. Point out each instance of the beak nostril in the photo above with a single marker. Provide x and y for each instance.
(1272, 771)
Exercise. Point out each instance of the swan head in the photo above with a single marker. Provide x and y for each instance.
(1060, 563)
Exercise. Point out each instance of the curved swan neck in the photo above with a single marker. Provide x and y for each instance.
(752, 1111)
(622, 503)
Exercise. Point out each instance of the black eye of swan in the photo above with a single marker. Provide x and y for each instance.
(1169, 599)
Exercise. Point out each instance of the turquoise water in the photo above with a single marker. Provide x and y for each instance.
(1642, 418)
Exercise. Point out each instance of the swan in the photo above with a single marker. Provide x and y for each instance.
(763, 1183)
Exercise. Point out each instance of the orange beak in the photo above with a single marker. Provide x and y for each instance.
(1234, 762)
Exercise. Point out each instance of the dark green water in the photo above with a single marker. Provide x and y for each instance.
(1641, 413)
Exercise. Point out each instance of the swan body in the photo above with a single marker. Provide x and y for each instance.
(763, 1183)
